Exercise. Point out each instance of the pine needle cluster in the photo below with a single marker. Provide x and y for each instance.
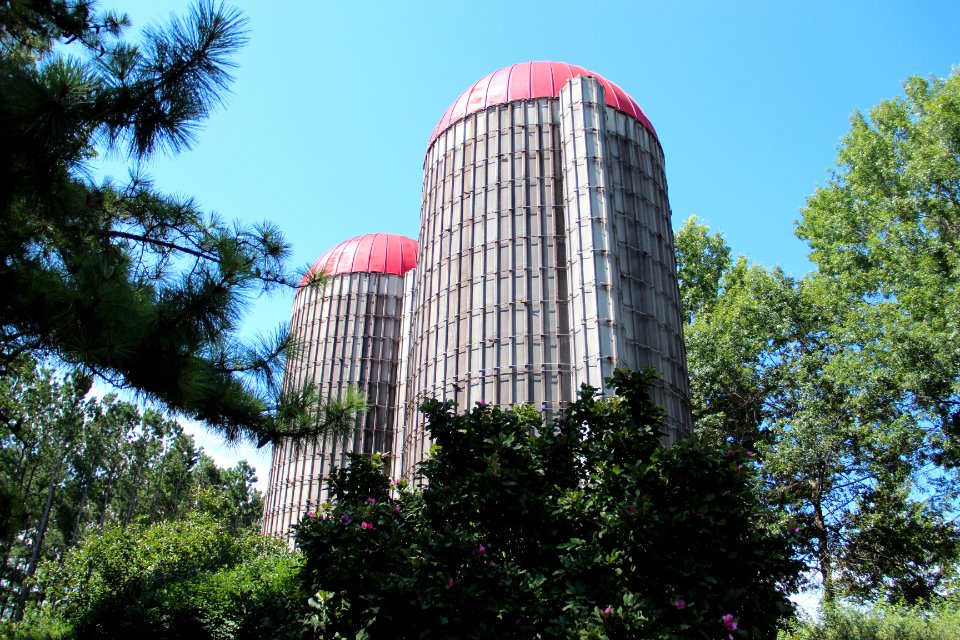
(139, 287)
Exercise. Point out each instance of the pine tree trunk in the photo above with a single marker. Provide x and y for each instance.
(38, 541)
(132, 498)
(78, 521)
(106, 498)
(7, 592)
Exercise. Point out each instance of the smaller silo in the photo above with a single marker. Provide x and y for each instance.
(349, 333)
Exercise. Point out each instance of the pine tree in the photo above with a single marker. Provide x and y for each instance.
(136, 286)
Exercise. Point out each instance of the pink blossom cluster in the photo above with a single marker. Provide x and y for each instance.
(729, 624)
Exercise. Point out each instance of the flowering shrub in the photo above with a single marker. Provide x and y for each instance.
(588, 528)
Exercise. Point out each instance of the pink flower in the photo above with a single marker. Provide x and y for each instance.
(794, 530)
(750, 454)
(739, 468)
(479, 551)
(371, 500)
(729, 623)
(450, 582)
(605, 613)
(311, 514)
(396, 509)
(446, 488)
(346, 518)
(366, 525)
(631, 510)
(679, 604)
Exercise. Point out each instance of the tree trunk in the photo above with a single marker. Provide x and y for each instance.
(824, 559)
(132, 498)
(8, 591)
(78, 521)
(38, 541)
(106, 498)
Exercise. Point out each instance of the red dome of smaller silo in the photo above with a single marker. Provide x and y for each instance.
(529, 80)
(371, 253)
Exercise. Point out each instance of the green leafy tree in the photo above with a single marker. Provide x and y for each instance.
(790, 369)
(43, 426)
(70, 467)
(885, 236)
(899, 549)
(587, 528)
(230, 495)
(128, 471)
(703, 259)
(187, 578)
(879, 622)
(141, 288)
(727, 334)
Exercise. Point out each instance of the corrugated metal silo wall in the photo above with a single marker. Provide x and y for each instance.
(398, 460)
(490, 296)
(624, 299)
(546, 260)
(349, 333)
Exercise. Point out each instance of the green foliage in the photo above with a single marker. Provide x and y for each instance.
(885, 235)
(42, 423)
(702, 260)
(881, 622)
(898, 549)
(139, 287)
(734, 340)
(69, 465)
(587, 528)
(794, 370)
(38, 629)
(187, 578)
(229, 494)
(246, 601)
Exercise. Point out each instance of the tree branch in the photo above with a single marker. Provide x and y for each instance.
(162, 243)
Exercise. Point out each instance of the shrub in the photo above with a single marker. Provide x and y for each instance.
(589, 528)
(190, 578)
(880, 622)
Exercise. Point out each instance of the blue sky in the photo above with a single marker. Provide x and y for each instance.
(333, 104)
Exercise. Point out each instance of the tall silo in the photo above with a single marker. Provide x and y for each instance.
(546, 250)
(349, 332)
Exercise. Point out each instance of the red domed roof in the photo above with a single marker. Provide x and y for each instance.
(529, 80)
(370, 253)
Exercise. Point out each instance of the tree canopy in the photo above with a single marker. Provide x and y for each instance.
(186, 578)
(139, 287)
(71, 466)
(885, 236)
(847, 381)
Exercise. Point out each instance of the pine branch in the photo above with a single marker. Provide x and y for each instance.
(169, 245)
